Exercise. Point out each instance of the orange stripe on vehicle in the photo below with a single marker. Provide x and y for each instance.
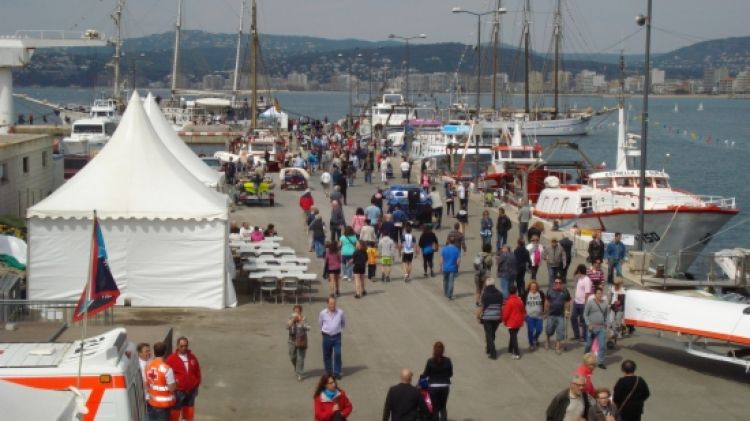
(87, 383)
(690, 331)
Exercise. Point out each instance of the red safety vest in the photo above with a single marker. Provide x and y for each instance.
(158, 390)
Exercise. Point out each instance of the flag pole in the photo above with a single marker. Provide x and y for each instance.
(87, 293)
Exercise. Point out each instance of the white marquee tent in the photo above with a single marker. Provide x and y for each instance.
(165, 232)
(177, 146)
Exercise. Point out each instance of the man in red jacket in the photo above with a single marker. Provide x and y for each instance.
(513, 316)
(187, 373)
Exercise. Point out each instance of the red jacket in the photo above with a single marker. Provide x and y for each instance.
(586, 372)
(514, 312)
(188, 380)
(306, 202)
(324, 407)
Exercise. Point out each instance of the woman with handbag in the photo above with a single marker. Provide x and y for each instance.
(438, 371)
(485, 228)
(298, 327)
(330, 402)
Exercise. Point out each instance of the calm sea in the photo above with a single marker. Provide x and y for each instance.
(709, 150)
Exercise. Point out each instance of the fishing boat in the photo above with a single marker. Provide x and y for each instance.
(678, 224)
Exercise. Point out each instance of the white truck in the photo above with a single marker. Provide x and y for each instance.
(110, 378)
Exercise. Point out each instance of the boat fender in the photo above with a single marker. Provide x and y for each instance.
(551, 182)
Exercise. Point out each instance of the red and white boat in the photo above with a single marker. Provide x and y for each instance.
(678, 224)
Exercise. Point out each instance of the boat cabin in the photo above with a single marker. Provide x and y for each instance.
(628, 180)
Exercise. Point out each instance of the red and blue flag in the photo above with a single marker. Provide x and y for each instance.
(101, 291)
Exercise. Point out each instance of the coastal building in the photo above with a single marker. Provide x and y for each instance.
(297, 81)
(725, 86)
(27, 172)
(658, 77)
(741, 84)
(711, 78)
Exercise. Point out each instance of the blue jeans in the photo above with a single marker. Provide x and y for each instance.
(319, 246)
(601, 335)
(502, 238)
(534, 329)
(504, 283)
(615, 266)
(575, 319)
(552, 271)
(347, 267)
(332, 345)
(448, 279)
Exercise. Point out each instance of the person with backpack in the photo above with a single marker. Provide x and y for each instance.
(482, 270)
(298, 327)
(428, 243)
(503, 226)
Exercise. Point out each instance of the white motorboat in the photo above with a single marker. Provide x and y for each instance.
(453, 139)
(391, 111)
(678, 224)
(89, 135)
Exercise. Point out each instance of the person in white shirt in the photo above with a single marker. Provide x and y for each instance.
(144, 357)
(406, 170)
(245, 231)
(407, 252)
(462, 196)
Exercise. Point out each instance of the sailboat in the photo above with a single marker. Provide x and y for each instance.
(700, 106)
(546, 121)
(676, 108)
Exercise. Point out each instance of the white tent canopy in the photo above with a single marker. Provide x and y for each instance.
(165, 232)
(177, 146)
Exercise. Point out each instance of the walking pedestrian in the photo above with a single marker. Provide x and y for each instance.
(450, 195)
(553, 256)
(372, 260)
(347, 244)
(570, 404)
(387, 251)
(503, 226)
(187, 373)
(596, 248)
(489, 315)
(450, 260)
(485, 228)
(535, 230)
(403, 402)
(584, 289)
(535, 255)
(596, 274)
(367, 234)
(459, 240)
(359, 265)
(603, 408)
(567, 246)
(332, 322)
(586, 370)
(358, 221)
(318, 230)
(482, 270)
(329, 402)
(617, 307)
(439, 370)
(406, 170)
(407, 252)
(557, 309)
(513, 315)
(534, 302)
(595, 313)
(337, 221)
(160, 385)
(506, 270)
(523, 262)
(615, 254)
(333, 268)
(428, 244)
(374, 211)
(463, 198)
(524, 216)
(630, 392)
(437, 207)
(298, 327)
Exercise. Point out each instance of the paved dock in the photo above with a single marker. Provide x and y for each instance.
(248, 376)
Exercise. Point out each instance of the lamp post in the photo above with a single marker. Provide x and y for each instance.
(479, 67)
(349, 82)
(406, 40)
(644, 20)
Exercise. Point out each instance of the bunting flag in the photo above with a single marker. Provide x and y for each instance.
(101, 291)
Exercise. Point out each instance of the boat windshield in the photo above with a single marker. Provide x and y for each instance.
(660, 183)
(88, 128)
(601, 183)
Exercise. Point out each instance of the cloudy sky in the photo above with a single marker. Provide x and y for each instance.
(592, 26)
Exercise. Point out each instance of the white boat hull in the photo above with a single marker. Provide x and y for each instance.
(666, 233)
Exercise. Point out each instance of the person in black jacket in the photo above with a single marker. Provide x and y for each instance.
(558, 407)
(439, 370)
(403, 401)
(596, 248)
(567, 246)
(523, 261)
(503, 226)
(630, 393)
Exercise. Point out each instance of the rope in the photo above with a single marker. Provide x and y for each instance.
(666, 230)
(744, 221)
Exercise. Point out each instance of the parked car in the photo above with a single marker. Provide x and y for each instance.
(410, 197)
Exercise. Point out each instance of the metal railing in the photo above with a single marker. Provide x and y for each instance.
(54, 311)
(719, 201)
(706, 269)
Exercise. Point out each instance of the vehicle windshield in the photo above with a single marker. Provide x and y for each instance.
(88, 128)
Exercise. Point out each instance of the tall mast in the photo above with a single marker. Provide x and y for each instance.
(558, 23)
(526, 63)
(495, 58)
(117, 17)
(235, 83)
(176, 57)
(254, 64)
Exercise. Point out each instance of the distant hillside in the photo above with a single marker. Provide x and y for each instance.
(205, 53)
